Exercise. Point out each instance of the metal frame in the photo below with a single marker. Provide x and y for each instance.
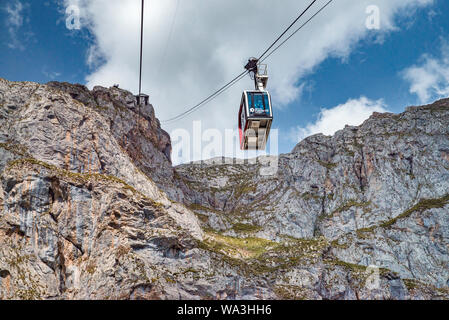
(244, 127)
(259, 73)
(245, 93)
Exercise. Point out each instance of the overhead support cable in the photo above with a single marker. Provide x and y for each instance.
(288, 28)
(209, 98)
(169, 38)
(141, 47)
(296, 31)
(261, 58)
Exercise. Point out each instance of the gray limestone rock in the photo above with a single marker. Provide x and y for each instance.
(91, 207)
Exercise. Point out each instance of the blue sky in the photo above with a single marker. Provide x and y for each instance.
(37, 46)
(51, 52)
(375, 69)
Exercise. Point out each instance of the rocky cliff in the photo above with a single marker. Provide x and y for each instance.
(91, 207)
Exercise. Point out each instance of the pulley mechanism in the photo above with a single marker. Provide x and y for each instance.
(258, 72)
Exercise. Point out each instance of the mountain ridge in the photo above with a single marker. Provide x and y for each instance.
(92, 208)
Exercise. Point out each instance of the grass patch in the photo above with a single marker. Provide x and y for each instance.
(421, 206)
(190, 270)
(246, 247)
(350, 266)
(243, 189)
(336, 244)
(246, 228)
(412, 284)
(15, 148)
(101, 108)
(364, 233)
(289, 292)
(257, 257)
(327, 165)
(91, 267)
(308, 196)
(199, 207)
(202, 217)
(80, 178)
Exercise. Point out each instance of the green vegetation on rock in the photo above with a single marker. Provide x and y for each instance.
(245, 228)
(421, 206)
(15, 148)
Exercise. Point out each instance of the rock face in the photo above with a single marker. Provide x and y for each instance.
(91, 207)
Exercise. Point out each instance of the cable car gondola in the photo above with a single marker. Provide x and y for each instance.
(255, 114)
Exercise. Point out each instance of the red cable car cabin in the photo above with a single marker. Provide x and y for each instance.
(255, 118)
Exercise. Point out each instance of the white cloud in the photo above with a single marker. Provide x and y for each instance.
(210, 42)
(14, 22)
(354, 112)
(52, 75)
(430, 78)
